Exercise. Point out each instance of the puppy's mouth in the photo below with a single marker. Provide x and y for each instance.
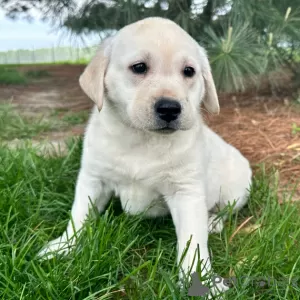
(166, 130)
(162, 127)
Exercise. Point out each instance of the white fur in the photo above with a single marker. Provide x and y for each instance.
(187, 173)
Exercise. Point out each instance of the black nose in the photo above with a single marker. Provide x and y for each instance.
(167, 109)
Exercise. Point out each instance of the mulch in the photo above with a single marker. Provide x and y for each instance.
(262, 130)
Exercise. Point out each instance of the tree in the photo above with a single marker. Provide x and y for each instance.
(244, 38)
(49, 8)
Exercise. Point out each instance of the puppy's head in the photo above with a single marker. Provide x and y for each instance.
(154, 75)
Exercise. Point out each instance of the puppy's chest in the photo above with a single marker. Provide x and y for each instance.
(137, 182)
(137, 168)
(143, 169)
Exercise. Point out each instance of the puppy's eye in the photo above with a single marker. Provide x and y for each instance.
(140, 68)
(189, 72)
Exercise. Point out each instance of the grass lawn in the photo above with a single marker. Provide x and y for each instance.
(10, 75)
(15, 125)
(124, 257)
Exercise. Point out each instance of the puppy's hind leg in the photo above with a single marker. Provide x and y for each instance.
(215, 223)
(89, 190)
(236, 197)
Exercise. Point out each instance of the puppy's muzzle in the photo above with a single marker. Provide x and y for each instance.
(167, 109)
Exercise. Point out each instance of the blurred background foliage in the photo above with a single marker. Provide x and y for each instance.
(245, 39)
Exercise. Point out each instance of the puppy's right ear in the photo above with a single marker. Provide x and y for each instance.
(210, 100)
(92, 79)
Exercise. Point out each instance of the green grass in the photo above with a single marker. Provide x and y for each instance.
(15, 125)
(119, 256)
(124, 257)
(295, 128)
(37, 73)
(73, 118)
(11, 76)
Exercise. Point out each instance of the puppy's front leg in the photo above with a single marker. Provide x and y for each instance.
(89, 190)
(190, 216)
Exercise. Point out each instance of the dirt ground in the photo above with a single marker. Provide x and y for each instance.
(259, 126)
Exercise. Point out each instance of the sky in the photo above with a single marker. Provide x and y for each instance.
(22, 34)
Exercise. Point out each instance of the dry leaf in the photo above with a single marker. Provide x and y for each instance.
(250, 228)
(293, 146)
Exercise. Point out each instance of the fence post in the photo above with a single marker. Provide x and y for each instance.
(53, 54)
(77, 53)
(18, 56)
(70, 53)
(33, 55)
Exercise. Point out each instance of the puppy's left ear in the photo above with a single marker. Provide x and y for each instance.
(210, 101)
(92, 79)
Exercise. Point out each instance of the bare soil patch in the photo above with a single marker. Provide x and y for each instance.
(60, 90)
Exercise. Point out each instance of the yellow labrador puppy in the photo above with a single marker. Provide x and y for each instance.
(149, 144)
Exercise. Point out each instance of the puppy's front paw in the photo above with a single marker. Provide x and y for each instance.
(60, 245)
(212, 289)
(217, 290)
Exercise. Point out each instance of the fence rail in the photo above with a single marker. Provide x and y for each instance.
(47, 55)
